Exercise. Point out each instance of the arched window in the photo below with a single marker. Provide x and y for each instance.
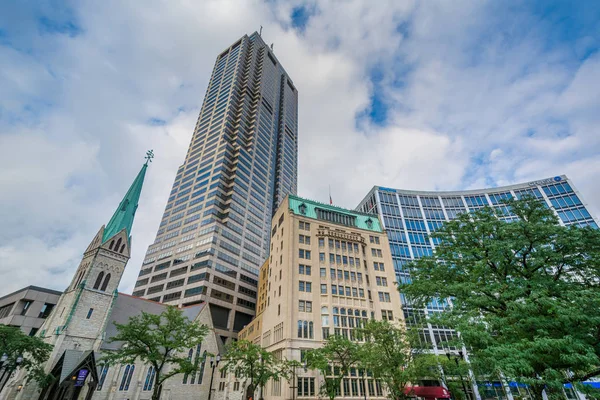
(201, 373)
(190, 354)
(78, 279)
(324, 310)
(99, 280)
(122, 248)
(310, 330)
(118, 244)
(102, 376)
(129, 377)
(299, 329)
(112, 243)
(196, 360)
(305, 330)
(124, 378)
(149, 379)
(105, 283)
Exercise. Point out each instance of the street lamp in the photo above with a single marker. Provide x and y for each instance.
(364, 375)
(294, 385)
(213, 364)
(8, 371)
(458, 357)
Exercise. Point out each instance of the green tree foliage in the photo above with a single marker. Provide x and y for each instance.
(387, 354)
(161, 341)
(334, 361)
(33, 351)
(525, 294)
(253, 364)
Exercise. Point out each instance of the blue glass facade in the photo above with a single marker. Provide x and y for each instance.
(240, 165)
(410, 216)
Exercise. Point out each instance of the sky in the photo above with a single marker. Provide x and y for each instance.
(427, 95)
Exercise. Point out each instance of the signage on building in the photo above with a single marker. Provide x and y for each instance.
(383, 189)
(545, 181)
(81, 375)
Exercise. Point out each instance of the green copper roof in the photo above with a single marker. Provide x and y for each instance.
(308, 208)
(123, 216)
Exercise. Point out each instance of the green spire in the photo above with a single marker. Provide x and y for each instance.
(123, 216)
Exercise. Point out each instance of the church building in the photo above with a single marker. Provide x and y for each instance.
(82, 323)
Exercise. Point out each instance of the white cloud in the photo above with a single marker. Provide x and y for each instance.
(471, 100)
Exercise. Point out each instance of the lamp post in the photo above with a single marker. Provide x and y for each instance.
(8, 371)
(213, 364)
(458, 357)
(364, 375)
(294, 385)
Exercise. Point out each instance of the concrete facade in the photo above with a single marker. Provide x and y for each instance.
(310, 255)
(28, 308)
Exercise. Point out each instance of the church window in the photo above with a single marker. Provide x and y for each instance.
(105, 284)
(102, 376)
(89, 314)
(118, 244)
(122, 248)
(99, 280)
(126, 379)
(112, 243)
(149, 379)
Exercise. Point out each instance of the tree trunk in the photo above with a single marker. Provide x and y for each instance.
(536, 391)
(250, 392)
(157, 391)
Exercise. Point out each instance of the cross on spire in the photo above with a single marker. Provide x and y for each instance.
(149, 156)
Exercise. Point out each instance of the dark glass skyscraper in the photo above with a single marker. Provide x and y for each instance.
(241, 163)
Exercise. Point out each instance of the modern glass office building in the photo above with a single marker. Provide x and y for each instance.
(241, 163)
(410, 216)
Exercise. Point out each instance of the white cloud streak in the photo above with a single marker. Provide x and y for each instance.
(475, 97)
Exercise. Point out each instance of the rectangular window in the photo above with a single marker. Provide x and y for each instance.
(304, 286)
(304, 239)
(89, 314)
(321, 242)
(323, 289)
(304, 269)
(304, 254)
(322, 257)
(323, 272)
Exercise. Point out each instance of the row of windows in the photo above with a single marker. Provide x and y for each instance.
(340, 245)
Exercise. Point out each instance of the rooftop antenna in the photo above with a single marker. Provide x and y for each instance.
(260, 31)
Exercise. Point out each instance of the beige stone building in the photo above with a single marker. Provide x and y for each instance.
(328, 272)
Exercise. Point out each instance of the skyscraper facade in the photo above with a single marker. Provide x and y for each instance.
(410, 216)
(240, 165)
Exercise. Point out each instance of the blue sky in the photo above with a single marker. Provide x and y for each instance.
(408, 94)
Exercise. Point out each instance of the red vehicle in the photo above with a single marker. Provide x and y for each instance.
(427, 392)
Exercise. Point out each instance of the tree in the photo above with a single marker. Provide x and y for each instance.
(525, 293)
(252, 363)
(387, 354)
(29, 353)
(334, 361)
(161, 341)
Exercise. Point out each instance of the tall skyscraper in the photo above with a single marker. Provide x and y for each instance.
(241, 163)
(410, 216)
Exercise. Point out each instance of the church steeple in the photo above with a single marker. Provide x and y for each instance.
(123, 216)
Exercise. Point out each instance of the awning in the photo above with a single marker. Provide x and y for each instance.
(430, 392)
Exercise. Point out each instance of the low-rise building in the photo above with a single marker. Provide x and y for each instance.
(28, 308)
